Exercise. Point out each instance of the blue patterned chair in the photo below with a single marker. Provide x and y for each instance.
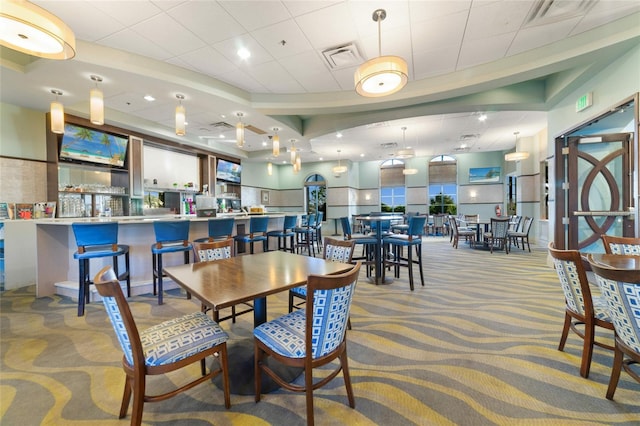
(581, 307)
(621, 245)
(97, 240)
(396, 243)
(162, 348)
(310, 338)
(210, 252)
(172, 236)
(621, 290)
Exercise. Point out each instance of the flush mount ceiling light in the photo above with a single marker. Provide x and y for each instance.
(240, 131)
(517, 155)
(96, 103)
(404, 152)
(30, 29)
(383, 75)
(181, 117)
(339, 169)
(56, 114)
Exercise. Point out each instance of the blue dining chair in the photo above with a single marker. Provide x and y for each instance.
(368, 244)
(287, 232)
(397, 242)
(97, 240)
(171, 237)
(257, 232)
(219, 229)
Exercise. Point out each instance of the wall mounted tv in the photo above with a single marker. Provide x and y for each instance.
(83, 145)
(228, 171)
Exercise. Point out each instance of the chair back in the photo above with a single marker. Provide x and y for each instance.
(311, 221)
(338, 250)
(499, 227)
(416, 226)
(471, 217)
(526, 226)
(290, 222)
(319, 218)
(346, 227)
(621, 289)
(384, 225)
(573, 280)
(454, 225)
(438, 220)
(258, 225)
(120, 316)
(207, 251)
(95, 234)
(621, 245)
(221, 228)
(514, 223)
(329, 300)
(172, 231)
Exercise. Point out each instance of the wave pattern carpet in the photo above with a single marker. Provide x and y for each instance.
(477, 345)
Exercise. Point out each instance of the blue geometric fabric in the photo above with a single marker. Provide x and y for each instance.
(623, 300)
(570, 283)
(214, 254)
(617, 248)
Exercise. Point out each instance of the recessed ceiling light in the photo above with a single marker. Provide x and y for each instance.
(338, 135)
(362, 155)
(244, 53)
(221, 136)
(482, 117)
(320, 158)
(264, 143)
(149, 98)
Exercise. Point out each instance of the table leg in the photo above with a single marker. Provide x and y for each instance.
(377, 277)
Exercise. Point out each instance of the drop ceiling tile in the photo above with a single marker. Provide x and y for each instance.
(126, 12)
(271, 38)
(208, 61)
(436, 33)
(207, 20)
(541, 35)
(240, 78)
(131, 41)
(434, 62)
(434, 10)
(328, 27)
(495, 18)
(272, 76)
(256, 14)
(480, 51)
(166, 32)
(229, 49)
(297, 7)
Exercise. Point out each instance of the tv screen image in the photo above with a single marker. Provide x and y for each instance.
(92, 146)
(228, 171)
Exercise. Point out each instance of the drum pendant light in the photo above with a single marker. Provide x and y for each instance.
(517, 155)
(181, 117)
(56, 114)
(96, 103)
(276, 143)
(240, 131)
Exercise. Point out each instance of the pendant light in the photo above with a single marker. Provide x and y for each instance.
(240, 131)
(517, 155)
(293, 151)
(409, 171)
(383, 75)
(31, 29)
(181, 117)
(298, 161)
(404, 152)
(96, 103)
(276, 143)
(56, 114)
(339, 169)
(269, 168)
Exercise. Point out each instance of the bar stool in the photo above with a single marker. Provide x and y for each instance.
(317, 230)
(171, 237)
(257, 232)
(286, 232)
(219, 230)
(413, 238)
(304, 235)
(97, 240)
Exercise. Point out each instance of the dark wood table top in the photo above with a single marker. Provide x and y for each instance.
(223, 283)
(615, 261)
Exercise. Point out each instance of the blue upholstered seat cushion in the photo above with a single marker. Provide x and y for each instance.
(402, 240)
(101, 251)
(285, 335)
(180, 338)
(247, 238)
(300, 291)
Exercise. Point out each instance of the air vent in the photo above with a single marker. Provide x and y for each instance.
(548, 11)
(388, 145)
(221, 126)
(342, 56)
(255, 129)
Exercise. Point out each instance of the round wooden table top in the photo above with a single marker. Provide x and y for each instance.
(615, 261)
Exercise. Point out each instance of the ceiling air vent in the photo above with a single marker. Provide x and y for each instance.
(255, 129)
(342, 56)
(549, 11)
(388, 145)
(221, 126)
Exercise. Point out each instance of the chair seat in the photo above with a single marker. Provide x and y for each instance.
(248, 239)
(180, 338)
(300, 291)
(281, 234)
(364, 240)
(600, 308)
(170, 248)
(284, 335)
(401, 239)
(101, 251)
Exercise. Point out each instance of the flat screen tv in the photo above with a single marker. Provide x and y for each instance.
(228, 171)
(84, 145)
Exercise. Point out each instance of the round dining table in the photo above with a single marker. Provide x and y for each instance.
(377, 278)
(627, 262)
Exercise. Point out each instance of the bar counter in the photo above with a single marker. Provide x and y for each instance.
(55, 244)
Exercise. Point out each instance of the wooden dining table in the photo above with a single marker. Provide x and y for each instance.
(377, 277)
(224, 283)
(625, 262)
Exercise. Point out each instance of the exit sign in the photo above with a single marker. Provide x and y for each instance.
(584, 102)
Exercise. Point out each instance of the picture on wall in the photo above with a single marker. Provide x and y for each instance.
(484, 175)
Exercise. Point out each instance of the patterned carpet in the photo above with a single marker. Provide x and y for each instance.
(476, 346)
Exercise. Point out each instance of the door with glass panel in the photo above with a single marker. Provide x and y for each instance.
(594, 190)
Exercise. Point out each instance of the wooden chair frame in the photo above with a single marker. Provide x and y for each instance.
(456, 233)
(108, 286)
(608, 240)
(314, 282)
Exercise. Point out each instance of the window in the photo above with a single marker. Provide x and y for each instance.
(443, 187)
(392, 190)
(316, 194)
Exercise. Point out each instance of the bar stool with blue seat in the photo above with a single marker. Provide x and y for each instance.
(368, 243)
(257, 232)
(413, 238)
(317, 230)
(171, 237)
(219, 230)
(304, 235)
(97, 240)
(285, 233)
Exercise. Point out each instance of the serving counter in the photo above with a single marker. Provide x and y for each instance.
(56, 269)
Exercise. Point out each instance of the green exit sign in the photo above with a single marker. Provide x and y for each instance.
(584, 102)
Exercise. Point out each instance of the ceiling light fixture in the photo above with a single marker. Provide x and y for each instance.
(276, 143)
(517, 155)
(293, 151)
(269, 168)
(96, 103)
(56, 114)
(240, 131)
(181, 117)
(409, 171)
(339, 169)
(383, 75)
(404, 152)
(31, 29)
